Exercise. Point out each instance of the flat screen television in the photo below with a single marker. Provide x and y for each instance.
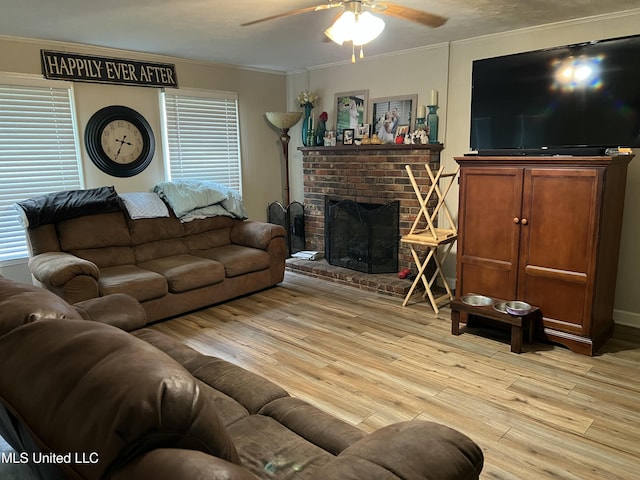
(577, 100)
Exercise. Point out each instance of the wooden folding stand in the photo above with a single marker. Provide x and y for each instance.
(431, 237)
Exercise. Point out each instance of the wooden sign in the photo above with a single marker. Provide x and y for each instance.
(89, 68)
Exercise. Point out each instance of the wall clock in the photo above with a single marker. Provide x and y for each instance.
(119, 141)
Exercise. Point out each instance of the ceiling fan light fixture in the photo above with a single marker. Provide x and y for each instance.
(359, 28)
(341, 29)
(366, 28)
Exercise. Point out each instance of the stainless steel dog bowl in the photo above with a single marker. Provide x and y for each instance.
(476, 300)
(500, 307)
(518, 308)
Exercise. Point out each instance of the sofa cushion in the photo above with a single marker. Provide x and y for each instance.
(104, 391)
(21, 303)
(145, 230)
(107, 256)
(266, 446)
(186, 272)
(94, 231)
(250, 390)
(141, 284)
(238, 260)
(211, 239)
(160, 248)
(208, 224)
(311, 423)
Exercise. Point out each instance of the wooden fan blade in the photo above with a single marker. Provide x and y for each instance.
(406, 13)
(295, 12)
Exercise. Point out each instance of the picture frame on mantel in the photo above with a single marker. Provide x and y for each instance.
(351, 110)
(389, 112)
(348, 135)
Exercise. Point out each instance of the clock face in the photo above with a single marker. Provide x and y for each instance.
(122, 141)
(119, 141)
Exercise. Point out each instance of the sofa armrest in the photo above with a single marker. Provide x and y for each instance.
(180, 463)
(408, 450)
(118, 309)
(255, 234)
(55, 269)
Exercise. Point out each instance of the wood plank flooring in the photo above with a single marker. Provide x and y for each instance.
(547, 413)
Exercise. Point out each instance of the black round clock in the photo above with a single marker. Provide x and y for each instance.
(119, 141)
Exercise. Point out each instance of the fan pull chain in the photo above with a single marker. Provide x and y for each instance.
(353, 53)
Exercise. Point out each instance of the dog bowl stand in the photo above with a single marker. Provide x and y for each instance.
(460, 312)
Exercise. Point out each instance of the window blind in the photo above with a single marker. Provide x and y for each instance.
(38, 154)
(202, 133)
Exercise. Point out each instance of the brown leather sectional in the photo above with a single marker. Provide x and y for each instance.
(87, 388)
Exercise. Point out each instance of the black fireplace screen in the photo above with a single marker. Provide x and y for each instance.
(362, 236)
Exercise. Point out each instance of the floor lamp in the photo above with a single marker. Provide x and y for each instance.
(284, 121)
(291, 216)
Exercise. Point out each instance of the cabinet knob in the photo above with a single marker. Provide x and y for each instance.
(516, 220)
(524, 221)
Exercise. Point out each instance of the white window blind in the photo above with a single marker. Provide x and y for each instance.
(38, 154)
(202, 133)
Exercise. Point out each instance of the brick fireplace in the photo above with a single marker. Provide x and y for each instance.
(373, 174)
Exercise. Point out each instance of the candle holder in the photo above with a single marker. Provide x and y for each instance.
(420, 123)
(432, 122)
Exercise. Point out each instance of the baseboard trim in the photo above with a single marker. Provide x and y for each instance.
(629, 319)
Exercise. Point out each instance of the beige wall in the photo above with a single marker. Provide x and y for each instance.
(448, 69)
(258, 92)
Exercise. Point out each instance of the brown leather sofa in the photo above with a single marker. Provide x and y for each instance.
(96, 401)
(170, 267)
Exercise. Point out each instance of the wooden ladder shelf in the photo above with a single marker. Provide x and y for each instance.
(430, 236)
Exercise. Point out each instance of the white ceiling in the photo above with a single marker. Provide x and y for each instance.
(210, 30)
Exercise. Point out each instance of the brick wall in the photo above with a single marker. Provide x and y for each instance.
(366, 174)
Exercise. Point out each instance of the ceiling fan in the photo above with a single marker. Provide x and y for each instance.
(358, 6)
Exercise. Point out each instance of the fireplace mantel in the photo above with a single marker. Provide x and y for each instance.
(373, 174)
(375, 149)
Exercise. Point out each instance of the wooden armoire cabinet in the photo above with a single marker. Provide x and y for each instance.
(545, 230)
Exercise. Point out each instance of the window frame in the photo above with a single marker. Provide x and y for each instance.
(24, 80)
(201, 94)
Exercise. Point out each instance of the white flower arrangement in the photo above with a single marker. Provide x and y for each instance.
(307, 97)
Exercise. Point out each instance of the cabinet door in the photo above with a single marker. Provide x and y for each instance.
(558, 244)
(488, 221)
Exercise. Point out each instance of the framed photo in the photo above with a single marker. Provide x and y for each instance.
(330, 138)
(363, 131)
(402, 131)
(348, 135)
(351, 110)
(387, 113)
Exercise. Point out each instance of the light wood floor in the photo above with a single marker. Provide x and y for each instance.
(547, 413)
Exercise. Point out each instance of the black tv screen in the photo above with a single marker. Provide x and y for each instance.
(583, 97)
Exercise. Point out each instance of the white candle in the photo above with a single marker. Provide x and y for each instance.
(434, 97)
(422, 111)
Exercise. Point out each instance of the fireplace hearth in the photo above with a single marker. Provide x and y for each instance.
(362, 236)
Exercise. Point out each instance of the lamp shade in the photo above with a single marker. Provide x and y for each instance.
(358, 28)
(283, 120)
